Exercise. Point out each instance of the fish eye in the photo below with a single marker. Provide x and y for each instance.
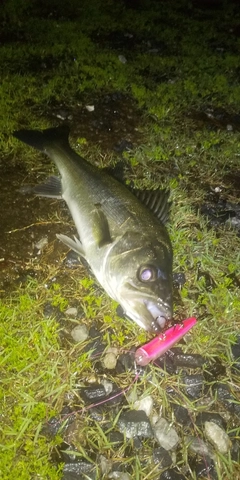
(147, 273)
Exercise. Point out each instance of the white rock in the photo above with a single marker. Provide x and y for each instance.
(110, 361)
(90, 108)
(145, 404)
(71, 312)
(122, 59)
(166, 436)
(79, 333)
(217, 436)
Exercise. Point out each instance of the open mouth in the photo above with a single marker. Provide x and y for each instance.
(160, 313)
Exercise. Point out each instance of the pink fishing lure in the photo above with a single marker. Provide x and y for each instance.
(160, 344)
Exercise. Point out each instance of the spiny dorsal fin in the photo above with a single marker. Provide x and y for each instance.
(156, 201)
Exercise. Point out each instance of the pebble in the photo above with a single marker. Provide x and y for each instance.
(96, 393)
(188, 360)
(145, 404)
(172, 474)
(135, 423)
(204, 468)
(72, 260)
(71, 312)
(79, 333)
(110, 361)
(210, 417)
(197, 445)
(105, 465)
(182, 415)
(225, 396)
(166, 436)
(122, 59)
(119, 476)
(41, 243)
(193, 385)
(161, 457)
(218, 437)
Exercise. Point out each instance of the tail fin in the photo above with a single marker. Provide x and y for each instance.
(40, 139)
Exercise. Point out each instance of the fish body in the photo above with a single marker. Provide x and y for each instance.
(124, 241)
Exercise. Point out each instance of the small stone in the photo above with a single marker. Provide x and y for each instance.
(218, 437)
(116, 438)
(105, 465)
(193, 385)
(119, 476)
(182, 415)
(41, 243)
(122, 59)
(110, 361)
(135, 423)
(188, 360)
(71, 312)
(79, 333)
(108, 386)
(145, 404)
(161, 457)
(90, 108)
(197, 445)
(166, 436)
(172, 474)
(210, 417)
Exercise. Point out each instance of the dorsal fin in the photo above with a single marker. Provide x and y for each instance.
(156, 201)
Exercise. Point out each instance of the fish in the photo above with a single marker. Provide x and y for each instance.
(121, 232)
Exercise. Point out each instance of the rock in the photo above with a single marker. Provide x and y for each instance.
(193, 385)
(125, 363)
(228, 400)
(122, 59)
(116, 438)
(204, 468)
(119, 476)
(71, 312)
(41, 243)
(188, 360)
(79, 333)
(182, 415)
(218, 437)
(96, 393)
(135, 423)
(161, 457)
(105, 465)
(210, 417)
(110, 358)
(179, 279)
(166, 436)
(172, 474)
(197, 445)
(145, 404)
(72, 260)
(236, 356)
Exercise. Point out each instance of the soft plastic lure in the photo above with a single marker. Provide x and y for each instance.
(160, 344)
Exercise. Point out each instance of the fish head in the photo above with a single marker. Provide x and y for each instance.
(140, 279)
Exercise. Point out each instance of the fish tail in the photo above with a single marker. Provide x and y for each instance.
(40, 139)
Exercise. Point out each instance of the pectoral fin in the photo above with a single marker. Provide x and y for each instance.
(101, 230)
(74, 245)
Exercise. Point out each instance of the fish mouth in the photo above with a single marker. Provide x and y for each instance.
(148, 314)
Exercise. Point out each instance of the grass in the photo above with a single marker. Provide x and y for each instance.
(67, 55)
